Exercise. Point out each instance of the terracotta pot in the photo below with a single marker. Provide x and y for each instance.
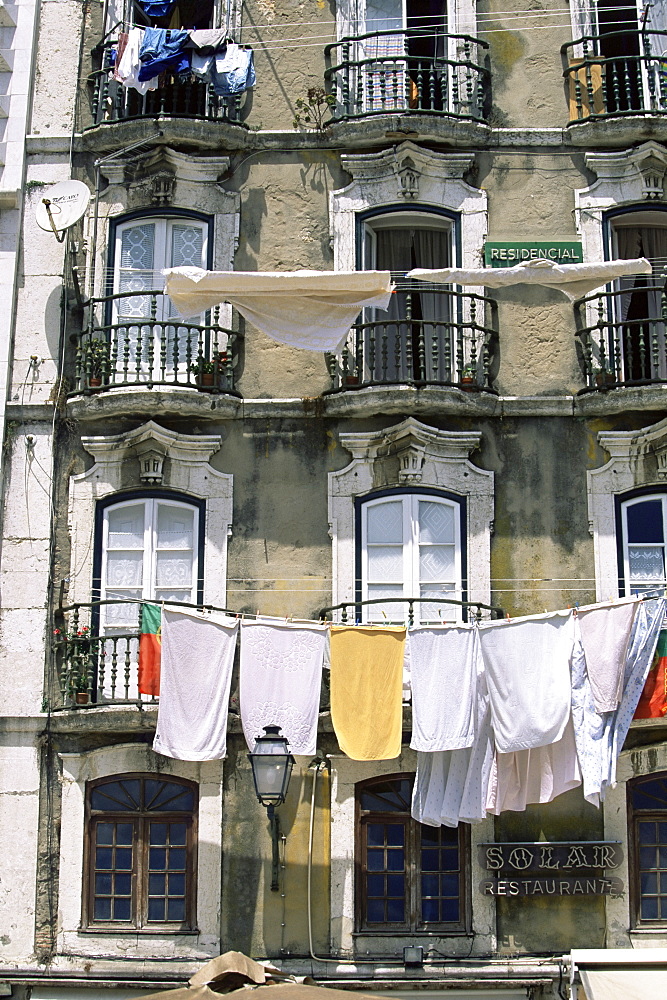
(347, 380)
(468, 384)
(206, 380)
(81, 697)
(94, 382)
(604, 378)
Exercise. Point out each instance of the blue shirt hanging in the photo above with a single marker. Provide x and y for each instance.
(157, 8)
(163, 49)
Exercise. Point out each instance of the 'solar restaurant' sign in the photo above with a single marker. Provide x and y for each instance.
(570, 868)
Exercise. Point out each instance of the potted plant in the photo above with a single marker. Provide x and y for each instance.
(81, 692)
(75, 644)
(602, 376)
(468, 378)
(96, 361)
(207, 373)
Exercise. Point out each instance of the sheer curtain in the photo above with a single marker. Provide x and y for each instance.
(414, 342)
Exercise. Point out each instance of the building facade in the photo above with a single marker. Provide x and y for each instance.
(505, 448)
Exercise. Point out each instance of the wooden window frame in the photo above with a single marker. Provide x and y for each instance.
(413, 924)
(635, 816)
(140, 820)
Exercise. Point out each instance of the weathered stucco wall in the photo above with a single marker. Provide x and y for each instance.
(288, 39)
(258, 921)
(525, 61)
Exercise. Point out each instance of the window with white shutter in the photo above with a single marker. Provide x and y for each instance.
(143, 249)
(411, 547)
(149, 552)
(643, 521)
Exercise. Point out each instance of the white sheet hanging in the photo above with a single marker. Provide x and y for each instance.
(527, 665)
(451, 786)
(312, 310)
(196, 674)
(605, 633)
(443, 660)
(573, 280)
(533, 776)
(280, 679)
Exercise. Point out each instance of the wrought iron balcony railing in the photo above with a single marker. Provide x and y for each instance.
(174, 98)
(96, 649)
(603, 83)
(96, 644)
(436, 337)
(384, 72)
(622, 333)
(371, 611)
(130, 340)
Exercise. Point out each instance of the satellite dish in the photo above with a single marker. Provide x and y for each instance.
(61, 206)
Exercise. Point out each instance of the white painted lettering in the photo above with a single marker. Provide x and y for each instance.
(547, 859)
(494, 858)
(576, 858)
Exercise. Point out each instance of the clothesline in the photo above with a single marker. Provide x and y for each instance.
(543, 702)
(252, 615)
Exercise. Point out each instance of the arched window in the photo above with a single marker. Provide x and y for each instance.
(141, 852)
(143, 341)
(409, 876)
(413, 339)
(411, 545)
(642, 556)
(648, 841)
(150, 550)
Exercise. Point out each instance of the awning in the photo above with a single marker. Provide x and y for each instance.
(573, 280)
(313, 310)
(622, 973)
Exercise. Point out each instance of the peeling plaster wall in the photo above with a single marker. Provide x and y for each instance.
(19, 815)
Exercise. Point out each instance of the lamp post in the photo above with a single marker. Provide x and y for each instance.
(272, 764)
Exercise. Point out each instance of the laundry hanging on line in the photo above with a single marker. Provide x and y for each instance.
(313, 310)
(144, 54)
(196, 675)
(366, 686)
(280, 678)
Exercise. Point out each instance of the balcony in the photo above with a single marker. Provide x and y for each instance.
(438, 337)
(112, 102)
(386, 72)
(622, 333)
(132, 340)
(619, 73)
(96, 652)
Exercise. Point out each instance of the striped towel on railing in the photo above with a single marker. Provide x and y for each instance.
(385, 79)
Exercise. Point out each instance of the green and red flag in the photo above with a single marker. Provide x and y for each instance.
(653, 702)
(150, 648)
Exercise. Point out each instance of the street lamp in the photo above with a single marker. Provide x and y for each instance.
(272, 764)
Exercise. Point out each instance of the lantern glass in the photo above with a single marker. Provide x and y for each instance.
(271, 766)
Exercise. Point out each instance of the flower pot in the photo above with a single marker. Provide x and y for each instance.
(349, 380)
(468, 384)
(94, 381)
(81, 697)
(605, 378)
(206, 380)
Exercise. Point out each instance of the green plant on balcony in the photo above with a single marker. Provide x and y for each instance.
(310, 113)
(96, 361)
(207, 373)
